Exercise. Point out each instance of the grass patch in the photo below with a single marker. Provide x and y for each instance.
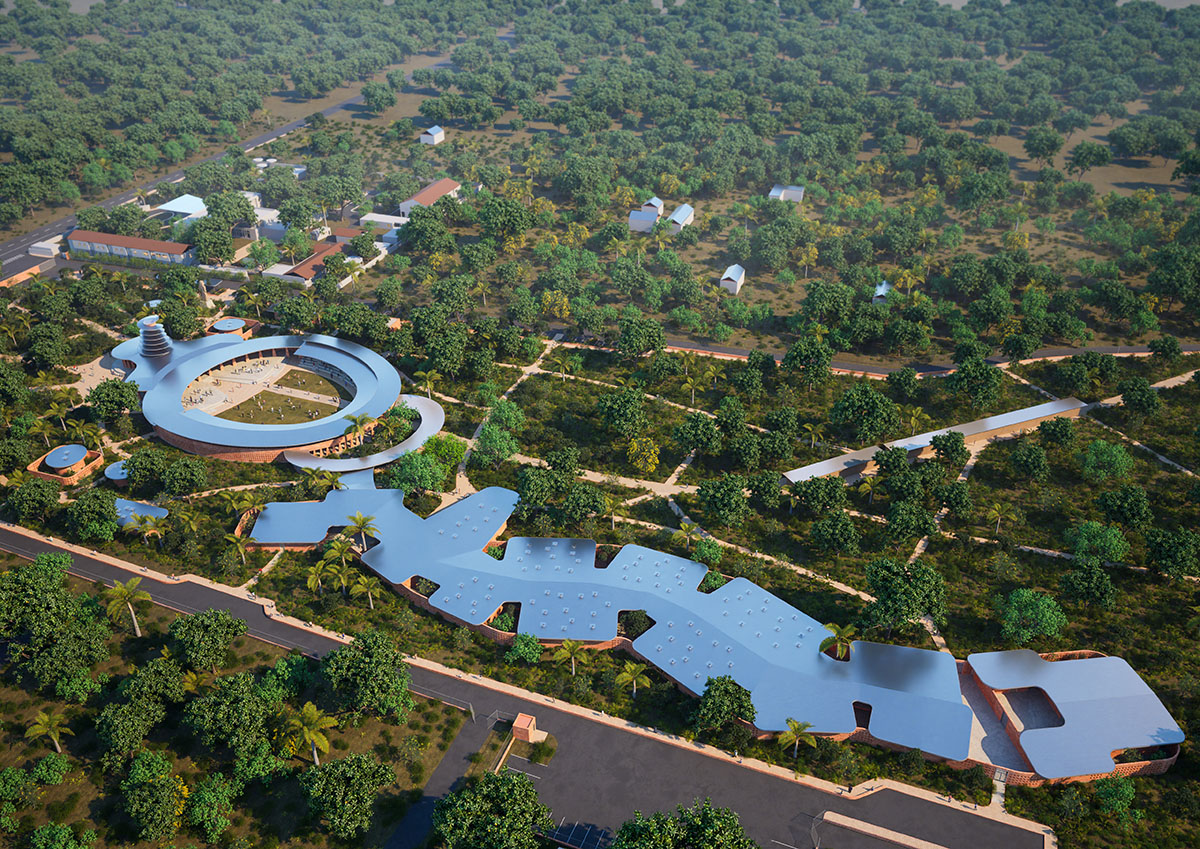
(271, 408)
(307, 381)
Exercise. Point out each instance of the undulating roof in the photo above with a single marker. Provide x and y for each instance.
(432, 419)
(1105, 707)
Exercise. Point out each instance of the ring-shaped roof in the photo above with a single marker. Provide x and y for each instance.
(164, 380)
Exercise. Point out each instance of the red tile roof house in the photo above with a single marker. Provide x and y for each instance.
(430, 195)
(129, 247)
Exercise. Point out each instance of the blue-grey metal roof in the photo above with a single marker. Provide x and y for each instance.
(164, 379)
(116, 471)
(1105, 707)
(185, 205)
(681, 213)
(228, 325)
(128, 511)
(65, 456)
(432, 419)
(844, 463)
(765, 644)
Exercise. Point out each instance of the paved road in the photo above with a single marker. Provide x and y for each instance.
(602, 774)
(19, 245)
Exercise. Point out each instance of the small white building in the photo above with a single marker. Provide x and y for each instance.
(434, 135)
(642, 221)
(681, 217)
(733, 278)
(386, 222)
(49, 248)
(792, 194)
(653, 205)
(881, 292)
(185, 208)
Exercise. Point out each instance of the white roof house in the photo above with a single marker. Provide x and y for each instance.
(733, 278)
(642, 221)
(187, 207)
(434, 135)
(387, 222)
(653, 205)
(881, 292)
(794, 194)
(681, 217)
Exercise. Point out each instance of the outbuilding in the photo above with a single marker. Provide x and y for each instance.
(881, 292)
(733, 278)
(434, 135)
(430, 195)
(791, 194)
(654, 205)
(642, 221)
(681, 217)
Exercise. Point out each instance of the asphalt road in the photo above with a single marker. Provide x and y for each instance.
(601, 774)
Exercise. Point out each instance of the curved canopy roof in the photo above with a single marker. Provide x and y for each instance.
(163, 380)
(65, 456)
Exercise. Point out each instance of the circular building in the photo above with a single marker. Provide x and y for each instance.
(65, 460)
(178, 380)
(115, 473)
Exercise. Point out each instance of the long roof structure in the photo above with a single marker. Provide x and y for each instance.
(164, 373)
(1105, 707)
(765, 644)
(844, 463)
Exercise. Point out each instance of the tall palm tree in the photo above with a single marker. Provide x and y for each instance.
(345, 575)
(689, 361)
(154, 526)
(870, 486)
(841, 640)
(815, 431)
(611, 503)
(369, 586)
(714, 373)
(561, 360)
(42, 428)
(92, 436)
(430, 378)
(254, 299)
(691, 384)
(125, 596)
(633, 674)
(59, 410)
(358, 425)
(308, 728)
(49, 723)
(316, 573)
(797, 733)
(686, 533)
(76, 428)
(1001, 512)
(338, 548)
(916, 418)
(240, 544)
(362, 525)
(573, 651)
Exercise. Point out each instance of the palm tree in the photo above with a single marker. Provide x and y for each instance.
(369, 586)
(59, 410)
(76, 428)
(50, 724)
(916, 418)
(430, 378)
(362, 525)
(571, 650)
(92, 435)
(358, 425)
(345, 576)
(316, 572)
(689, 361)
(869, 486)
(611, 503)
(1001, 512)
(153, 526)
(125, 596)
(254, 299)
(633, 674)
(480, 289)
(797, 733)
(690, 384)
(841, 640)
(192, 681)
(240, 544)
(714, 373)
(308, 728)
(561, 360)
(815, 431)
(42, 428)
(686, 533)
(337, 548)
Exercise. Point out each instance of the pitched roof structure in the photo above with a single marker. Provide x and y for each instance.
(434, 192)
(128, 242)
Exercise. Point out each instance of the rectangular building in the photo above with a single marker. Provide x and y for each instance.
(129, 247)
